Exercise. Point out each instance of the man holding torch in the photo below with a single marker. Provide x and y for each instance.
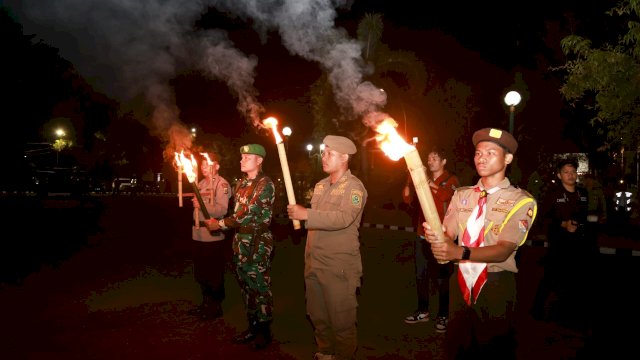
(252, 245)
(333, 266)
(208, 247)
(442, 184)
(490, 221)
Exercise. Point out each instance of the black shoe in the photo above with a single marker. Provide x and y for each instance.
(210, 312)
(263, 336)
(244, 337)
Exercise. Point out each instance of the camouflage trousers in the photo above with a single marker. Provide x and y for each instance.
(252, 258)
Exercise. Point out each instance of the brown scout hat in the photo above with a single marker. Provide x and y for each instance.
(498, 136)
(340, 144)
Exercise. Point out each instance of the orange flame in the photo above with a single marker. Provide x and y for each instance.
(390, 142)
(206, 156)
(189, 166)
(272, 123)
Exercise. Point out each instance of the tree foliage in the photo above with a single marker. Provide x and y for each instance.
(604, 78)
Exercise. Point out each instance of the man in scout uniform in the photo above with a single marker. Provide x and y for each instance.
(490, 221)
(333, 266)
(208, 246)
(252, 245)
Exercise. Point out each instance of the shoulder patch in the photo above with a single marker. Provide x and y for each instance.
(356, 198)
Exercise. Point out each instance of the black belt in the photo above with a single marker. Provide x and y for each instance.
(213, 233)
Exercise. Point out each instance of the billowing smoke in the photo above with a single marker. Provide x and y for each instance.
(133, 48)
(307, 29)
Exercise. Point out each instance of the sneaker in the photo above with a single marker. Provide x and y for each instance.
(418, 316)
(441, 324)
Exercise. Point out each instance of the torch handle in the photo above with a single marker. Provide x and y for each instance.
(286, 174)
(180, 187)
(423, 191)
(203, 208)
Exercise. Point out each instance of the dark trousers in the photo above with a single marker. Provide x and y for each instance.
(429, 270)
(568, 270)
(208, 268)
(484, 329)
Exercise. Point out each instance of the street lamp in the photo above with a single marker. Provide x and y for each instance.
(193, 132)
(59, 144)
(512, 99)
(286, 131)
(317, 156)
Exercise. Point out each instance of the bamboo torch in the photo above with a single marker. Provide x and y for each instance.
(272, 123)
(395, 147)
(178, 163)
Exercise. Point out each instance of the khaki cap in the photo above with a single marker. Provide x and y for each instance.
(498, 136)
(256, 149)
(340, 144)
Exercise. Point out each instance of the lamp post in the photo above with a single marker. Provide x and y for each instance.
(286, 131)
(317, 156)
(512, 99)
(59, 143)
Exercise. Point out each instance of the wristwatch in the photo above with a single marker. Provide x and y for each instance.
(466, 253)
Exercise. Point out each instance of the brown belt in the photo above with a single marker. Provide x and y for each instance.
(253, 229)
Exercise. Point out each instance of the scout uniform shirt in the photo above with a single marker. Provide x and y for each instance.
(334, 219)
(510, 214)
(221, 194)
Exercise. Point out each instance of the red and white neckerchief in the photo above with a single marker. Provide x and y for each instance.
(473, 275)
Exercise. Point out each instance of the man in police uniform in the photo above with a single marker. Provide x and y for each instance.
(208, 247)
(490, 220)
(252, 245)
(333, 266)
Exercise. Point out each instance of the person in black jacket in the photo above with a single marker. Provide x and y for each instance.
(571, 252)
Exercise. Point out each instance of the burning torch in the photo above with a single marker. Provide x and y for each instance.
(189, 167)
(272, 123)
(395, 147)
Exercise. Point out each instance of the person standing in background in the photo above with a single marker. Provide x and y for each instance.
(442, 184)
(252, 245)
(209, 249)
(571, 251)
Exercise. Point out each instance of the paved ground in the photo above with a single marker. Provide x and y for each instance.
(116, 283)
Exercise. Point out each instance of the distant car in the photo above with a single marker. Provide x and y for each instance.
(122, 185)
(61, 182)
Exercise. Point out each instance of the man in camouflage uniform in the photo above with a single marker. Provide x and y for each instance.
(333, 266)
(252, 245)
(490, 221)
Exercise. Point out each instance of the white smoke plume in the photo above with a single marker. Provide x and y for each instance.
(129, 48)
(307, 29)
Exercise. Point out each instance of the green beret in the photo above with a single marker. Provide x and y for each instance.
(340, 144)
(500, 137)
(256, 149)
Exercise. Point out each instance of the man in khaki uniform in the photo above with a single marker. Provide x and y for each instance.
(333, 266)
(490, 221)
(209, 247)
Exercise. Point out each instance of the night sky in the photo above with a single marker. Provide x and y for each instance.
(275, 56)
